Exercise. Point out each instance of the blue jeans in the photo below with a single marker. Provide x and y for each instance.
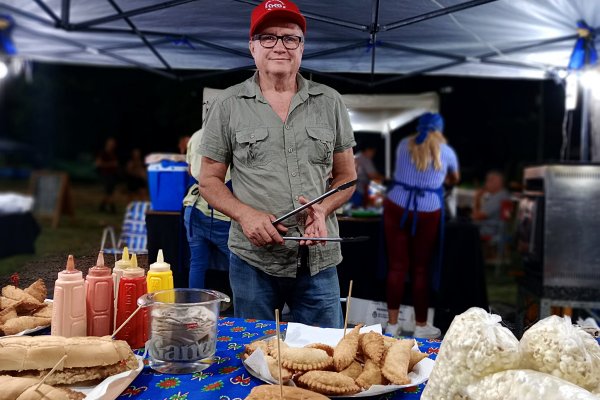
(313, 300)
(207, 238)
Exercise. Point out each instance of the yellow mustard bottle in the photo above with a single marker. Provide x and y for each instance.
(160, 276)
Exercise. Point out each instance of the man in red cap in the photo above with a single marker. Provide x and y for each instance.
(284, 137)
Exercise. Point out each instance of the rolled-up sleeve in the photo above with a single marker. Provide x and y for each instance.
(344, 135)
(216, 141)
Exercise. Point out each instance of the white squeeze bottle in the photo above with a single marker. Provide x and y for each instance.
(68, 313)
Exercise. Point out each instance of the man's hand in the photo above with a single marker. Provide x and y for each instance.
(315, 223)
(258, 228)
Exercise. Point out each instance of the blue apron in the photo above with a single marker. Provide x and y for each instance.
(411, 205)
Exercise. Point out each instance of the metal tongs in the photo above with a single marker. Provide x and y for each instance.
(322, 197)
(329, 239)
(343, 186)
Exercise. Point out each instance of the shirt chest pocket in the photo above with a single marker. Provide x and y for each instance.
(320, 146)
(252, 147)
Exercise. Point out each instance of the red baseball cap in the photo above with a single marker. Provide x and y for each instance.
(269, 9)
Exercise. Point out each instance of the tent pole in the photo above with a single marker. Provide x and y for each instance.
(140, 35)
(130, 13)
(65, 13)
(388, 154)
(48, 11)
(584, 149)
(435, 14)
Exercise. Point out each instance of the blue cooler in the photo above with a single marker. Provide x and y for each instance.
(168, 182)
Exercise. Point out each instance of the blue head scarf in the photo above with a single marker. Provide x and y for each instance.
(429, 122)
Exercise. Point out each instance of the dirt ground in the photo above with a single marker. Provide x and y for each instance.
(48, 269)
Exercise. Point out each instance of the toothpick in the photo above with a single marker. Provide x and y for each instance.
(50, 373)
(126, 321)
(348, 307)
(278, 353)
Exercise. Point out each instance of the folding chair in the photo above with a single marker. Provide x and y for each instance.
(133, 231)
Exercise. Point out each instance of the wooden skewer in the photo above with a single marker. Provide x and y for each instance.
(278, 353)
(126, 321)
(51, 372)
(348, 307)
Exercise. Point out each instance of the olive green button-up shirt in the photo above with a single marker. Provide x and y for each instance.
(273, 163)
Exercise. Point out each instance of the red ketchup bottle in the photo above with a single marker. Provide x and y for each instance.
(131, 286)
(99, 299)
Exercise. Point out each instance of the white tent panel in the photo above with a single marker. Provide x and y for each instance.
(493, 29)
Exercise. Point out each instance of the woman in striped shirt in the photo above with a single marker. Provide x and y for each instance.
(412, 214)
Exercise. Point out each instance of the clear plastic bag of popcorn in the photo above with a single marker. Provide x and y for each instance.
(557, 347)
(475, 345)
(524, 384)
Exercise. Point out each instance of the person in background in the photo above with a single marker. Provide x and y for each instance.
(365, 173)
(136, 177)
(182, 144)
(107, 166)
(283, 136)
(412, 215)
(207, 229)
(487, 204)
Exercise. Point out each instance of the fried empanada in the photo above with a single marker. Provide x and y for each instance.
(395, 363)
(305, 359)
(5, 302)
(371, 375)
(345, 351)
(37, 290)
(7, 313)
(388, 341)
(272, 363)
(19, 324)
(372, 346)
(328, 382)
(415, 357)
(44, 311)
(28, 302)
(272, 392)
(353, 370)
(258, 344)
(328, 349)
(272, 346)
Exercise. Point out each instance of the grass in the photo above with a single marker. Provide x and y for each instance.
(79, 235)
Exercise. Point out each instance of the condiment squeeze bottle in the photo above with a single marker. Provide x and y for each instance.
(131, 286)
(68, 312)
(99, 299)
(160, 276)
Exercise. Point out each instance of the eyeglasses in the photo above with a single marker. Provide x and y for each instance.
(290, 42)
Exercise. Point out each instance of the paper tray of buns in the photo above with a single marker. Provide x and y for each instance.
(111, 387)
(299, 335)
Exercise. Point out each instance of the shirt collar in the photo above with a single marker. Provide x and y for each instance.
(251, 88)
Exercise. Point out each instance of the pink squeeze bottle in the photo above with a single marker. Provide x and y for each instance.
(68, 313)
(99, 299)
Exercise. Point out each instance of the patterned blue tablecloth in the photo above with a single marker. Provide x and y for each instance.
(227, 379)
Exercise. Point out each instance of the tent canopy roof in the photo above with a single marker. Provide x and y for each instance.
(493, 38)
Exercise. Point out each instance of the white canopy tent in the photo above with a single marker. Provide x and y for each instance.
(379, 114)
(493, 38)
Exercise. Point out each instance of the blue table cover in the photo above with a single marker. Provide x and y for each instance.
(226, 378)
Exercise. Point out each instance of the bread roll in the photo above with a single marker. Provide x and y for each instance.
(25, 389)
(88, 358)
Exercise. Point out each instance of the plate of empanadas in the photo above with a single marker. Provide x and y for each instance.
(360, 364)
(24, 311)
